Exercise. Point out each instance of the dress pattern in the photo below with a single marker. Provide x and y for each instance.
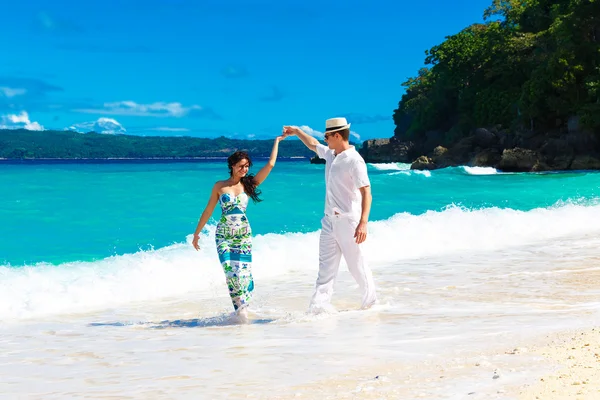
(233, 238)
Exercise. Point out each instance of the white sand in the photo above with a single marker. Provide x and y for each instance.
(577, 359)
(563, 365)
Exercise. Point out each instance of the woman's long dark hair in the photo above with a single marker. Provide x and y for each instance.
(247, 181)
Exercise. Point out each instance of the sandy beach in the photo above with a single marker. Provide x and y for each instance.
(561, 366)
(576, 358)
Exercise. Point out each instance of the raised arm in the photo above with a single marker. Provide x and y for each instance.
(266, 170)
(208, 210)
(308, 140)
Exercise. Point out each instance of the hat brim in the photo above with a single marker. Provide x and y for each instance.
(339, 128)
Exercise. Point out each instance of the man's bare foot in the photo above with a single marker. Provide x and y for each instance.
(371, 304)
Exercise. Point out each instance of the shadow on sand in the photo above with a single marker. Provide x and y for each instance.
(188, 323)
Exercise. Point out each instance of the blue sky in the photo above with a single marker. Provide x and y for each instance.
(210, 68)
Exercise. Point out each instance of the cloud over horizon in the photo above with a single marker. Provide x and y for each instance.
(11, 92)
(156, 109)
(20, 121)
(312, 132)
(320, 135)
(32, 86)
(108, 126)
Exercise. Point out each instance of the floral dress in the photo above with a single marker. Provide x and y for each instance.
(234, 244)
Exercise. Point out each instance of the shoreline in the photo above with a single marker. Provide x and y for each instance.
(531, 152)
(131, 160)
(167, 160)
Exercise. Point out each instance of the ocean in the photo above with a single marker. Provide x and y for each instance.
(102, 294)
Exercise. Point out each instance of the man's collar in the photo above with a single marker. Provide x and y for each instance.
(351, 148)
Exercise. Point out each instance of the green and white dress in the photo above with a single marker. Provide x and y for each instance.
(234, 244)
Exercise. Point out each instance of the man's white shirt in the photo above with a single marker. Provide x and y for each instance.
(344, 175)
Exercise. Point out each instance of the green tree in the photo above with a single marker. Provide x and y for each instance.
(534, 63)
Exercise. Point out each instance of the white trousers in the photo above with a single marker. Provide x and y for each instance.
(337, 239)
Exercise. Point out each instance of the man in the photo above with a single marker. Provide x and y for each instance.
(347, 206)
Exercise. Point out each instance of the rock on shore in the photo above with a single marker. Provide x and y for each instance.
(492, 147)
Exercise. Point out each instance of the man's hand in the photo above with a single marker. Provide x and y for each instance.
(361, 232)
(290, 131)
(308, 140)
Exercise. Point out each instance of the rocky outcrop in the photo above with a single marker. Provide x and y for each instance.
(388, 150)
(514, 151)
(521, 160)
(423, 163)
(486, 158)
(485, 138)
(586, 162)
(558, 153)
(317, 160)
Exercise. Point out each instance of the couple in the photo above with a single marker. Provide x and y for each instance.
(343, 227)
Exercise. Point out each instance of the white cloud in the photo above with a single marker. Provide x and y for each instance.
(131, 108)
(107, 126)
(320, 135)
(12, 92)
(21, 121)
(312, 132)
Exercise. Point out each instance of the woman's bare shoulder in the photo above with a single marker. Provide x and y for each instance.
(219, 185)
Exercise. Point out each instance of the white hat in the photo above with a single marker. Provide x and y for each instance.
(336, 124)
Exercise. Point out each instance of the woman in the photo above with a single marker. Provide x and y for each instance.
(233, 235)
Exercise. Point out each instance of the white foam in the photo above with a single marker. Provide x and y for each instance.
(480, 170)
(456, 230)
(425, 173)
(390, 166)
(399, 169)
(43, 289)
(413, 172)
(178, 269)
(407, 173)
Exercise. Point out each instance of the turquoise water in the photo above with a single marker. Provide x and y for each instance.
(99, 282)
(56, 213)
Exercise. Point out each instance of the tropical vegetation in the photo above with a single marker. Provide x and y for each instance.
(532, 64)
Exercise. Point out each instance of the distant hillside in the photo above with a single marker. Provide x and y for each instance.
(24, 144)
